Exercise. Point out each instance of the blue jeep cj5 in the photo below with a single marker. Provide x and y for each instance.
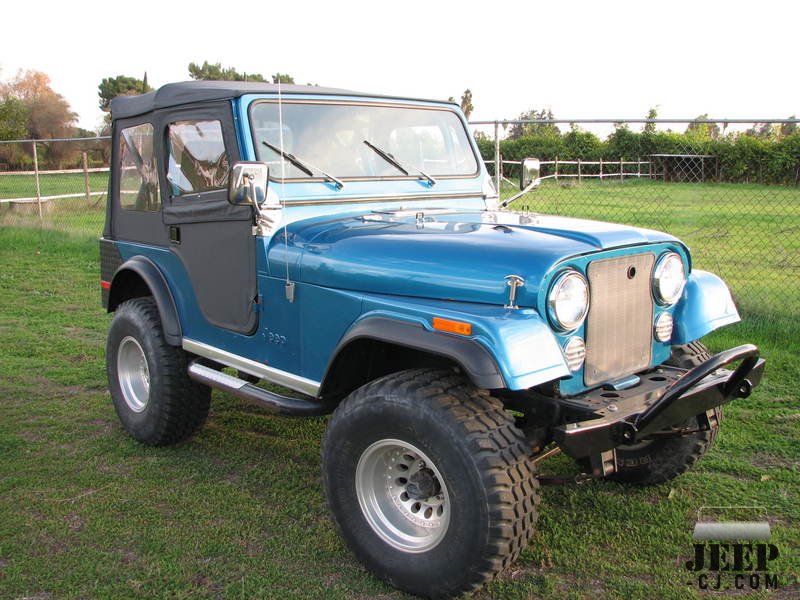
(351, 249)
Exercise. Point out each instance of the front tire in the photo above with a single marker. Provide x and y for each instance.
(429, 482)
(655, 461)
(154, 398)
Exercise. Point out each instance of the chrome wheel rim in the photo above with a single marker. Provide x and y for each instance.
(133, 374)
(402, 495)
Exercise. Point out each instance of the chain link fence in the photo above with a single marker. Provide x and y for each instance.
(728, 189)
(55, 184)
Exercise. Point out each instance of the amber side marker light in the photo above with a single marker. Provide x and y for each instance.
(449, 326)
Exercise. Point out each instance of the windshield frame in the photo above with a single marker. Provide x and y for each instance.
(383, 104)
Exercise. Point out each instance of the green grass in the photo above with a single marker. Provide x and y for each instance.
(238, 511)
(24, 186)
(74, 215)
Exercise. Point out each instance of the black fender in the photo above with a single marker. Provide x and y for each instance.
(123, 283)
(475, 360)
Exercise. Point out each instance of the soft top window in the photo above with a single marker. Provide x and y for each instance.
(331, 136)
(138, 179)
(197, 159)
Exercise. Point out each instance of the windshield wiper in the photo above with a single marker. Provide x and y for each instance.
(305, 167)
(404, 167)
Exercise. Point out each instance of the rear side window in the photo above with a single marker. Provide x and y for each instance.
(198, 161)
(138, 179)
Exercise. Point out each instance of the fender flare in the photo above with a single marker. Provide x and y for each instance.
(477, 361)
(706, 305)
(157, 284)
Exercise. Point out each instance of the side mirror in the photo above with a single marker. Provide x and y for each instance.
(248, 183)
(529, 174)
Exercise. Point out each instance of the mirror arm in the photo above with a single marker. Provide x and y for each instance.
(262, 221)
(527, 189)
(251, 184)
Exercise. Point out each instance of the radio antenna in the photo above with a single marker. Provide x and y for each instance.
(289, 285)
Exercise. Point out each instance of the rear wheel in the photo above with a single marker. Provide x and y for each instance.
(429, 482)
(658, 460)
(154, 398)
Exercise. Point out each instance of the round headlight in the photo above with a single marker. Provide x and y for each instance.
(568, 301)
(669, 277)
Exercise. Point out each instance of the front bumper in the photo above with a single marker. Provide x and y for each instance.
(664, 398)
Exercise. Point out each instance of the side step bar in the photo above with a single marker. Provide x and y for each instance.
(293, 407)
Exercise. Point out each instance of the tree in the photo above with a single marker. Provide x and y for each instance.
(703, 129)
(282, 78)
(466, 103)
(48, 114)
(788, 128)
(765, 131)
(650, 128)
(549, 130)
(13, 119)
(121, 85)
(219, 73)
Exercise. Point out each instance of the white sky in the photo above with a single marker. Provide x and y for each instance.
(600, 59)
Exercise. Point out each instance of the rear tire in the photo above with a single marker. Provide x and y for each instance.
(154, 398)
(655, 461)
(429, 482)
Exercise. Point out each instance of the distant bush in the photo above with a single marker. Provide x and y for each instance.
(743, 157)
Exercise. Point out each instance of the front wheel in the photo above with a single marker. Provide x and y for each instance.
(429, 482)
(655, 461)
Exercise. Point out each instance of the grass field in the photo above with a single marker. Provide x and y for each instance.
(74, 215)
(238, 511)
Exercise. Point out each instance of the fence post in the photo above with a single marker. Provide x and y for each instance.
(86, 177)
(638, 167)
(497, 156)
(579, 170)
(38, 188)
(621, 169)
(556, 168)
(601, 168)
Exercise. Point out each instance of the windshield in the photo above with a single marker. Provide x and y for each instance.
(332, 136)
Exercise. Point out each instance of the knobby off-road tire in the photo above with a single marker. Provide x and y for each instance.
(423, 432)
(659, 460)
(154, 398)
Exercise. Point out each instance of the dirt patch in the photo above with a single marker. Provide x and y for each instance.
(206, 583)
(79, 359)
(4, 562)
(764, 460)
(787, 418)
(75, 522)
(127, 557)
(102, 428)
(122, 470)
(32, 435)
(90, 336)
(40, 386)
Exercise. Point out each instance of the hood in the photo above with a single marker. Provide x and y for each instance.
(461, 256)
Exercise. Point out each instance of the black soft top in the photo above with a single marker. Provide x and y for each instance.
(186, 92)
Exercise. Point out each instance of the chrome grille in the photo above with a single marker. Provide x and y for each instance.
(620, 321)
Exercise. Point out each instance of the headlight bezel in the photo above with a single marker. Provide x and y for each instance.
(564, 325)
(658, 275)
